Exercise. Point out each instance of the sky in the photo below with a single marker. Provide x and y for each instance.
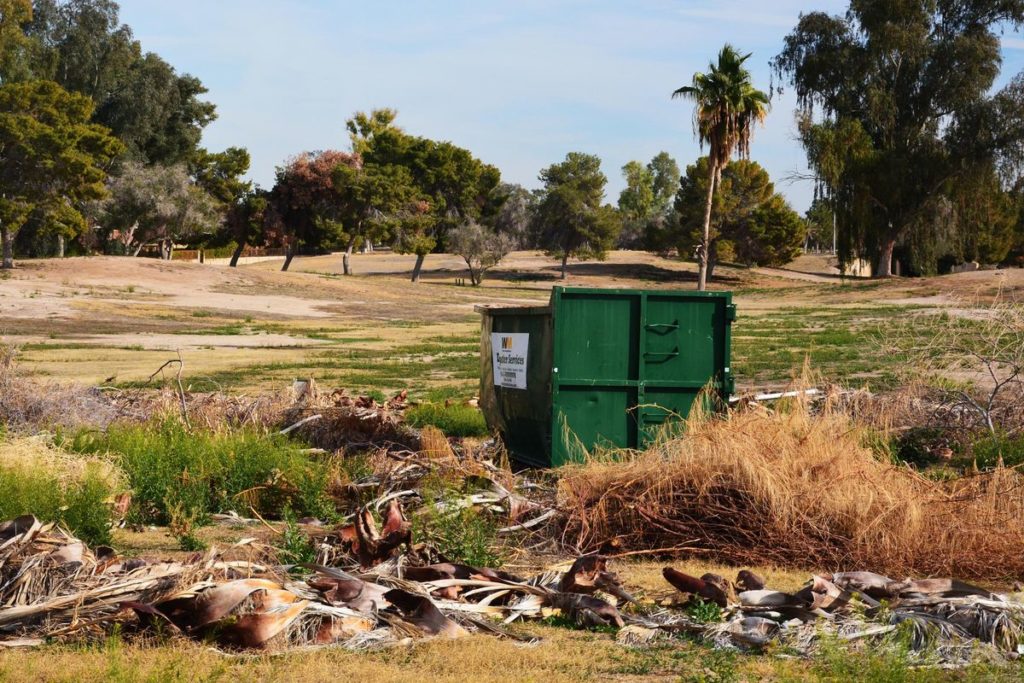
(518, 83)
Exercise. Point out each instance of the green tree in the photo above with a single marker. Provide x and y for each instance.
(15, 15)
(666, 181)
(727, 107)
(751, 223)
(52, 160)
(636, 201)
(372, 196)
(570, 217)
(895, 110)
(451, 187)
(636, 204)
(363, 127)
(820, 225)
(82, 45)
(246, 221)
(156, 205)
(220, 173)
(645, 204)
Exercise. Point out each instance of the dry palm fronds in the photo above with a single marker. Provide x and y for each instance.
(943, 615)
(52, 585)
(796, 488)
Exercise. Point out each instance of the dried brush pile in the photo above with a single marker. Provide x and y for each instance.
(796, 488)
(29, 405)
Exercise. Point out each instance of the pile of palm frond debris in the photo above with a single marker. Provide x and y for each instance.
(948, 619)
(53, 586)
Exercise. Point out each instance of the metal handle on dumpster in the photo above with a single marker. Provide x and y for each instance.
(666, 326)
(663, 354)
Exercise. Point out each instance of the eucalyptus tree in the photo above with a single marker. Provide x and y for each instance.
(896, 110)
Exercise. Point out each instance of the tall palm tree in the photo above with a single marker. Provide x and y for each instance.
(727, 109)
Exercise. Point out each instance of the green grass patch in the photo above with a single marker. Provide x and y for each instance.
(454, 420)
(55, 487)
(987, 451)
(180, 475)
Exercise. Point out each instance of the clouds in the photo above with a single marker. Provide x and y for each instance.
(520, 83)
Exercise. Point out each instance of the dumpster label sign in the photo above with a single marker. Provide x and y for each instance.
(509, 359)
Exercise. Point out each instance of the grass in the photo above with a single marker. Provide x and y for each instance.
(839, 342)
(561, 655)
(181, 476)
(39, 479)
(456, 419)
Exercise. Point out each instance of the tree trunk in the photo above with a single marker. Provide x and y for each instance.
(702, 268)
(565, 259)
(418, 267)
(346, 260)
(170, 250)
(236, 255)
(60, 246)
(7, 237)
(289, 254)
(884, 268)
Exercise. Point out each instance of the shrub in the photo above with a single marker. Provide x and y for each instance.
(454, 420)
(987, 451)
(38, 479)
(918, 446)
(196, 473)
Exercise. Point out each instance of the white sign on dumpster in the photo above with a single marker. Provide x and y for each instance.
(509, 358)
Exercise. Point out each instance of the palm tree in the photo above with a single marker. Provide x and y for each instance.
(727, 108)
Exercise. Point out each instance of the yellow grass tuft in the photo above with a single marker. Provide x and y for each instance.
(26, 455)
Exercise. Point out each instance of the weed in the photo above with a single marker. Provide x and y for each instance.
(454, 420)
(463, 535)
(703, 611)
(200, 313)
(987, 451)
(294, 546)
(562, 621)
(42, 481)
(197, 473)
(182, 525)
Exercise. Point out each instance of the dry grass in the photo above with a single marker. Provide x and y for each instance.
(26, 455)
(797, 488)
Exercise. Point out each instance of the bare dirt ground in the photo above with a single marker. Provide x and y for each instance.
(115, 318)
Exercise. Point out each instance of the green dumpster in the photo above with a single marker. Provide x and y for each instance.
(599, 367)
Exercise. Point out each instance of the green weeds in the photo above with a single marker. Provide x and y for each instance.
(454, 420)
(177, 474)
(82, 505)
